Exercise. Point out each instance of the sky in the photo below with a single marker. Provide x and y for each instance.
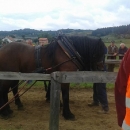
(63, 14)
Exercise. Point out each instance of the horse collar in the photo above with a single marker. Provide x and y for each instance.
(38, 60)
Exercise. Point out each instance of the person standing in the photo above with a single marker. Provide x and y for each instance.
(100, 97)
(29, 42)
(43, 41)
(113, 51)
(122, 93)
(122, 50)
(100, 94)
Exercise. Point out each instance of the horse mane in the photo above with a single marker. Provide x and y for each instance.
(51, 48)
(87, 47)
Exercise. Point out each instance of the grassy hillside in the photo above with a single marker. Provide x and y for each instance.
(107, 40)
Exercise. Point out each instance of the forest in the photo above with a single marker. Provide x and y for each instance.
(117, 31)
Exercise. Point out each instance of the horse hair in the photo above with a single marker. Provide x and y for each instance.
(86, 47)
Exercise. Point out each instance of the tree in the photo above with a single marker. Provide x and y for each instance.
(23, 36)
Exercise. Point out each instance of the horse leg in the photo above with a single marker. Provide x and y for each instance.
(65, 96)
(5, 112)
(14, 88)
(45, 85)
(48, 92)
(1, 100)
(7, 107)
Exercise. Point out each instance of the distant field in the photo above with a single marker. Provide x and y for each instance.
(107, 40)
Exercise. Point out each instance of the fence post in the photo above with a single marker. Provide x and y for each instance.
(54, 103)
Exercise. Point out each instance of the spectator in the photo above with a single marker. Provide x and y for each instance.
(113, 51)
(43, 41)
(29, 42)
(122, 50)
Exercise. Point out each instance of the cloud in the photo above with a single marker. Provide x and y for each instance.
(57, 14)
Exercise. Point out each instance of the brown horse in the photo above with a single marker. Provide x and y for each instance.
(62, 54)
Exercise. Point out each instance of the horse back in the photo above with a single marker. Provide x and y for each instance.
(18, 57)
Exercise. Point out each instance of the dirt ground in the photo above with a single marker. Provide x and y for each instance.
(36, 114)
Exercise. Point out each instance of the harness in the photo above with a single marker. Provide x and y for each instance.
(38, 60)
(69, 49)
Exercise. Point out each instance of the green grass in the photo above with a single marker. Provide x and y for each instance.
(89, 85)
(40, 84)
(107, 40)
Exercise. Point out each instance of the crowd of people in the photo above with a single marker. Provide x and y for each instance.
(99, 89)
(113, 51)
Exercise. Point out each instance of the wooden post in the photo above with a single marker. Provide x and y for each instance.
(54, 103)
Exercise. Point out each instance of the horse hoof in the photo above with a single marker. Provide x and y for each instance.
(70, 117)
(10, 111)
(4, 117)
(7, 116)
(20, 108)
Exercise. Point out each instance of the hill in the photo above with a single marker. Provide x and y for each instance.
(38, 33)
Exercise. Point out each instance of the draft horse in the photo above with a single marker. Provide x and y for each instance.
(62, 54)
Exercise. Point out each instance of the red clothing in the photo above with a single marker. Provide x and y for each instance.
(120, 87)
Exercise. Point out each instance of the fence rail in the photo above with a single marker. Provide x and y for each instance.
(112, 61)
(23, 76)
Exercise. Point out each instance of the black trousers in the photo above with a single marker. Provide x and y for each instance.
(100, 94)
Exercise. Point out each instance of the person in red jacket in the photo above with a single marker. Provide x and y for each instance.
(122, 93)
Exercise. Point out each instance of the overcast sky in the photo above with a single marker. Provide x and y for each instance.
(63, 14)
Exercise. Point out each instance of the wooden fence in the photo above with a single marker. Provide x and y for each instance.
(56, 79)
(113, 61)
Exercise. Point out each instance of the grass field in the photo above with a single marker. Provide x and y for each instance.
(40, 84)
(107, 40)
